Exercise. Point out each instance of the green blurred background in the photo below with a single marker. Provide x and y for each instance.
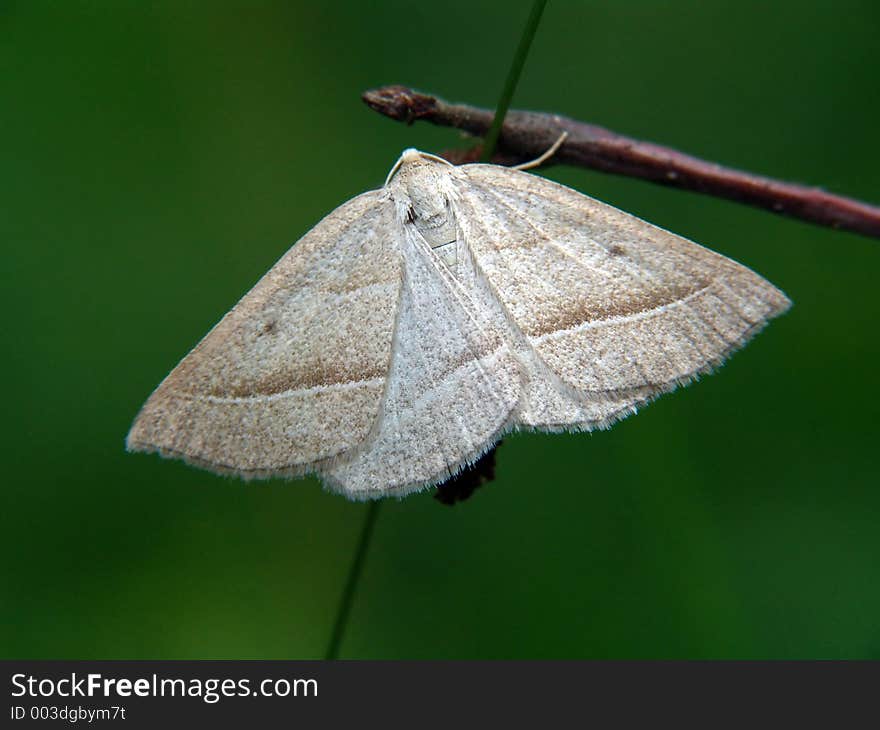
(157, 158)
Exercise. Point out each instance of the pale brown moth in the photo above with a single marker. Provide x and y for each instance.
(416, 324)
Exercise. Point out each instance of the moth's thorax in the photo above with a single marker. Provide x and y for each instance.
(422, 189)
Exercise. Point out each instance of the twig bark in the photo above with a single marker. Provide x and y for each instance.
(526, 135)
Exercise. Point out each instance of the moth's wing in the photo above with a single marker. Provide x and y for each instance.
(294, 374)
(452, 390)
(617, 310)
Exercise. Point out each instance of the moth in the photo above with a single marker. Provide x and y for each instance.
(411, 328)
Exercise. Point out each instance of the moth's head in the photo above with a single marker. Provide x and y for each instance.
(412, 160)
(421, 187)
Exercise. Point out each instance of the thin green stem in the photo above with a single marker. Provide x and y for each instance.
(354, 575)
(516, 68)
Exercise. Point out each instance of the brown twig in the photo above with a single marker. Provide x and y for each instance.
(527, 134)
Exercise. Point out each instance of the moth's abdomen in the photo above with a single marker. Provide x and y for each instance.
(441, 234)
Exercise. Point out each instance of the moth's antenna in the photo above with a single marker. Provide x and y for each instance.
(543, 158)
